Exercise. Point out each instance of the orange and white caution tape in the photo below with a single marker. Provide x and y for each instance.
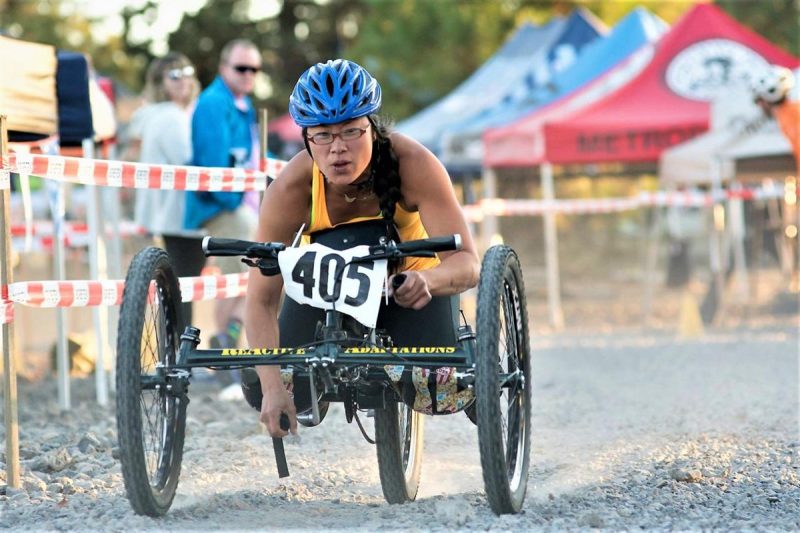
(6, 312)
(141, 175)
(76, 234)
(46, 227)
(6, 307)
(79, 293)
(27, 146)
(86, 293)
(195, 289)
(500, 207)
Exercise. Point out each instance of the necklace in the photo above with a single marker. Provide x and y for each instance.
(359, 187)
(364, 185)
(351, 199)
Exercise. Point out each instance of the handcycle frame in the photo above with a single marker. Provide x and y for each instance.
(351, 370)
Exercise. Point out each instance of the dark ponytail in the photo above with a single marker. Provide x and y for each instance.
(385, 173)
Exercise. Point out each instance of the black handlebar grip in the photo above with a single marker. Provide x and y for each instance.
(432, 244)
(277, 447)
(280, 457)
(225, 247)
(398, 280)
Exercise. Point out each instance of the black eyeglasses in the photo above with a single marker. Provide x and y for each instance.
(326, 137)
(178, 73)
(241, 69)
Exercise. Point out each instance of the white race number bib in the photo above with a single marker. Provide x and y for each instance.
(310, 278)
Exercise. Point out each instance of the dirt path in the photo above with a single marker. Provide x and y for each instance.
(630, 431)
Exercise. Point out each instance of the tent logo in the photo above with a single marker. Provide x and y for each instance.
(704, 70)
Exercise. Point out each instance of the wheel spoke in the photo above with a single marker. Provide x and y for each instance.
(155, 405)
(510, 364)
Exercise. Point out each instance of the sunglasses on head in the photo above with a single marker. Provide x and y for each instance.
(178, 73)
(241, 69)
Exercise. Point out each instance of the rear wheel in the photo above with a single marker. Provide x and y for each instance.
(503, 380)
(151, 404)
(398, 439)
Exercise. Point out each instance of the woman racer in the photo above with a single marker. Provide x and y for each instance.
(354, 170)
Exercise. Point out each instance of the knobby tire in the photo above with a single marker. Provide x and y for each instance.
(150, 423)
(503, 413)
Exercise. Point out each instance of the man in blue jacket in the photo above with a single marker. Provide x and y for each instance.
(225, 134)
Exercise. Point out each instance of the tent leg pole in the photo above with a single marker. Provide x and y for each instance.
(489, 221)
(10, 415)
(551, 250)
(790, 231)
(737, 232)
(97, 272)
(717, 260)
(757, 245)
(62, 324)
(651, 262)
(112, 202)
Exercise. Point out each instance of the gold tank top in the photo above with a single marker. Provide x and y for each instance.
(409, 225)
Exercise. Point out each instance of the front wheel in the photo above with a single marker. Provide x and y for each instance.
(151, 401)
(503, 380)
(398, 439)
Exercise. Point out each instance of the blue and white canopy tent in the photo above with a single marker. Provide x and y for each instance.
(462, 149)
(517, 65)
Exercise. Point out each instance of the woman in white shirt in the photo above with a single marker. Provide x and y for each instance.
(162, 128)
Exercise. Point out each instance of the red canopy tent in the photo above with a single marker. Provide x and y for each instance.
(521, 143)
(286, 129)
(704, 54)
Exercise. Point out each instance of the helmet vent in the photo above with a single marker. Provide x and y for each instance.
(333, 92)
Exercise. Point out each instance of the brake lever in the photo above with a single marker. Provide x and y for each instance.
(392, 255)
(373, 257)
(259, 251)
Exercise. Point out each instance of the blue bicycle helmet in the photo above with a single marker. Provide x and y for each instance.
(333, 92)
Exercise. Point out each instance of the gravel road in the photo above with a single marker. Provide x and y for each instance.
(631, 431)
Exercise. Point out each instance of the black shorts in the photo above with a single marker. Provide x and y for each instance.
(433, 325)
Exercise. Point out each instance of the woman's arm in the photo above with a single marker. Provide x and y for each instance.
(284, 209)
(426, 187)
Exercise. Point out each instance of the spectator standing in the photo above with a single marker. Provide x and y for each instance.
(225, 134)
(771, 92)
(162, 130)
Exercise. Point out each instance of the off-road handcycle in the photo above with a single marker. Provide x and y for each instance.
(486, 373)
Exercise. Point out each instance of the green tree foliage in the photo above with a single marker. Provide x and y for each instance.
(611, 12)
(302, 32)
(422, 49)
(419, 49)
(777, 20)
(59, 23)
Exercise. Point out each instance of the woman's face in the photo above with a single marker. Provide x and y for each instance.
(347, 157)
(178, 83)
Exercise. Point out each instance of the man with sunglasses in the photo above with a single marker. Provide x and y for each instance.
(225, 134)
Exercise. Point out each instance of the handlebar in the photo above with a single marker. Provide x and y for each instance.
(214, 246)
(234, 247)
(431, 244)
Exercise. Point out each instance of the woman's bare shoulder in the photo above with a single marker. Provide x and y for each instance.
(406, 147)
(297, 171)
(422, 175)
(287, 199)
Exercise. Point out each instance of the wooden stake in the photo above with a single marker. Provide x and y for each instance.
(262, 129)
(9, 362)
